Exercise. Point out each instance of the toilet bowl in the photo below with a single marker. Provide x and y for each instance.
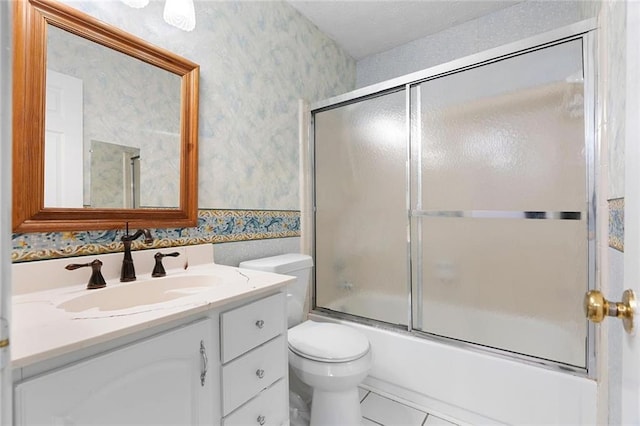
(330, 358)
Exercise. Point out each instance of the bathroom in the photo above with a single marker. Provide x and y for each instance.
(249, 149)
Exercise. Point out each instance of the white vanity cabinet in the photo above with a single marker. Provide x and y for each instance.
(163, 380)
(253, 352)
(145, 366)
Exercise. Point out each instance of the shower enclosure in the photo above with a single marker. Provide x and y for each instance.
(458, 203)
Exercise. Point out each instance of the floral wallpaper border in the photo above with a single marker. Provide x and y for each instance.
(616, 223)
(214, 226)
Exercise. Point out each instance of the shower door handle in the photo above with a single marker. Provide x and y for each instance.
(597, 308)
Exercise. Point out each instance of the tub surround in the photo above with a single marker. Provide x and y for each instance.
(42, 330)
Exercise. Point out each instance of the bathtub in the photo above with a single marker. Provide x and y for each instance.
(465, 385)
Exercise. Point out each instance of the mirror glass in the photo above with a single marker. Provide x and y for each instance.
(116, 175)
(108, 113)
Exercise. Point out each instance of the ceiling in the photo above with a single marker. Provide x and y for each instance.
(364, 28)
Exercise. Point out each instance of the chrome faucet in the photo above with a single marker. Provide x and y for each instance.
(128, 271)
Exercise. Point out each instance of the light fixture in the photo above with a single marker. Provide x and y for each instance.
(136, 4)
(180, 14)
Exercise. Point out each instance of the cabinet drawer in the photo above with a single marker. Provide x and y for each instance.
(269, 408)
(248, 326)
(252, 372)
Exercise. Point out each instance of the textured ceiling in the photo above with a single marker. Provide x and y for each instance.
(364, 28)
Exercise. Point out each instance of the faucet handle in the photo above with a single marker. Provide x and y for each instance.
(96, 280)
(158, 269)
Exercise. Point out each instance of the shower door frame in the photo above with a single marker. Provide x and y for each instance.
(585, 31)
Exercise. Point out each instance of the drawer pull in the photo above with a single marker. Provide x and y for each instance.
(205, 363)
(260, 373)
(261, 420)
(260, 323)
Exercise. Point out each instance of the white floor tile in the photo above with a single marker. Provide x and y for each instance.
(437, 421)
(362, 393)
(367, 422)
(387, 412)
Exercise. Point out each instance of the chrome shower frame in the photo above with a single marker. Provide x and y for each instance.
(584, 30)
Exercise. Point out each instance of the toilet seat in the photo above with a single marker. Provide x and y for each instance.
(327, 342)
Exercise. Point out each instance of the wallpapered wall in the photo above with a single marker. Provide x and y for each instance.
(257, 60)
(612, 91)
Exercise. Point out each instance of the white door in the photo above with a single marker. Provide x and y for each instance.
(63, 142)
(631, 343)
(5, 204)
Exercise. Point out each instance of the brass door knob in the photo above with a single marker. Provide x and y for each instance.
(596, 307)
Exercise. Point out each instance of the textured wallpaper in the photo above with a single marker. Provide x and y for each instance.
(113, 184)
(612, 69)
(257, 60)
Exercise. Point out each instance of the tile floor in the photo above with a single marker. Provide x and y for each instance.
(378, 410)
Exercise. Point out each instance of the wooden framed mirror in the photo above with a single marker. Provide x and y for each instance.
(130, 127)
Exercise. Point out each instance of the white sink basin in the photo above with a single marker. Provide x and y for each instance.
(141, 293)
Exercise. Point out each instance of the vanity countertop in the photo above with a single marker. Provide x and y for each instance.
(42, 328)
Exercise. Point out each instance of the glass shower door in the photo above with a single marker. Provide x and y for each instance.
(500, 210)
(361, 201)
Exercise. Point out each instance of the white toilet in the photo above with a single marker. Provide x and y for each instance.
(331, 358)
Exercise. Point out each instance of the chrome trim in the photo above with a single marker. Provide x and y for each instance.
(550, 37)
(498, 214)
(419, 278)
(314, 205)
(204, 363)
(334, 316)
(339, 315)
(408, 205)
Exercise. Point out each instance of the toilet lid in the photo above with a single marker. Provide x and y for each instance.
(327, 342)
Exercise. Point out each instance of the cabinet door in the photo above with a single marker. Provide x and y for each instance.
(153, 382)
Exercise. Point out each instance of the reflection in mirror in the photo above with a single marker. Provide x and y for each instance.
(116, 175)
(98, 94)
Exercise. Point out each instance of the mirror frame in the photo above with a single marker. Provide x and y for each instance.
(30, 20)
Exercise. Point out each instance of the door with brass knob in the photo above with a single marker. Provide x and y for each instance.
(597, 308)
(624, 263)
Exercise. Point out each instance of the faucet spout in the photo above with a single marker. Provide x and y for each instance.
(128, 271)
(148, 239)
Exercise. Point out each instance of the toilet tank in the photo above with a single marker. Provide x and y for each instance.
(294, 264)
